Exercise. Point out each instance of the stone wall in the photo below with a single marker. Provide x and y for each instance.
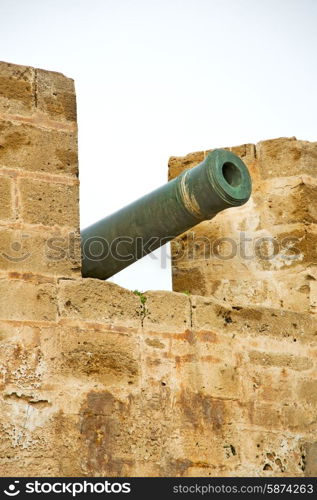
(99, 381)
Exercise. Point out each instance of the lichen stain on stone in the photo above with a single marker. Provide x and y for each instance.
(102, 423)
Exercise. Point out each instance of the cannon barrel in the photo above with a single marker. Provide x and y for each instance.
(221, 181)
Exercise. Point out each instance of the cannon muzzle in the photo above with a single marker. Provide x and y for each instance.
(221, 181)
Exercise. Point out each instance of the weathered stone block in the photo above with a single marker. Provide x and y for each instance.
(98, 301)
(270, 453)
(25, 300)
(307, 391)
(6, 197)
(53, 253)
(208, 314)
(292, 361)
(166, 311)
(285, 156)
(190, 280)
(267, 384)
(299, 417)
(91, 351)
(56, 95)
(49, 203)
(35, 149)
(289, 204)
(17, 89)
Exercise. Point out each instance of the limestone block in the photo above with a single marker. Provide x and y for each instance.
(17, 89)
(106, 421)
(21, 360)
(268, 384)
(27, 300)
(208, 314)
(26, 147)
(166, 311)
(49, 203)
(91, 351)
(284, 157)
(300, 417)
(6, 197)
(307, 391)
(49, 253)
(99, 301)
(298, 363)
(56, 95)
(289, 203)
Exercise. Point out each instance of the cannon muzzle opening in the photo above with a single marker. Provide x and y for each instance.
(221, 181)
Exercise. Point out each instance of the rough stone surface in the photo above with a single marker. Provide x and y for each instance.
(27, 300)
(28, 147)
(6, 197)
(99, 381)
(17, 89)
(49, 203)
(56, 95)
(48, 252)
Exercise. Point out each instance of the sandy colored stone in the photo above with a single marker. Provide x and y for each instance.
(24, 300)
(27, 91)
(20, 466)
(27, 147)
(17, 89)
(210, 315)
(284, 157)
(300, 417)
(49, 203)
(56, 95)
(290, 361)
(165, 311)
(290, 204)
(93, 351)
(307, 391)
(6, 197)
(96, 300)
(273, 454)
(49, 253)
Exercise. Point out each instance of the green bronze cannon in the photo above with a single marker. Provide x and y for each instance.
(221, 181)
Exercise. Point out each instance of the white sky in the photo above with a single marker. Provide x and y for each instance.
(156, 78)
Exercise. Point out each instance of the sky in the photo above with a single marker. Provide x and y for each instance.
(161, 78)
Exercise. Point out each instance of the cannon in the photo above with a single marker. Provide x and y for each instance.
(219, 182)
